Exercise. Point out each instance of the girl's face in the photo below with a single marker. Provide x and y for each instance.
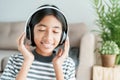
(47, 34)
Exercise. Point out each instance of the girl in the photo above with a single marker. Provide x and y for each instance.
(46, 29)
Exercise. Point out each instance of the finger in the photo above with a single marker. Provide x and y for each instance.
(60, 52)
(27, 41)
(67, 45)
(66, 48)
(20, 38)
(27, 45)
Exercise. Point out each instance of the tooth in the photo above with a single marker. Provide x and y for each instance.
(47, 45)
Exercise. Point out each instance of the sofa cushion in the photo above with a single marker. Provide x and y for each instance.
(9, 32)
(76, 31)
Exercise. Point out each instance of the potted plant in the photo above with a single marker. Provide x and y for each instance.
(108, 51)
(108, 20)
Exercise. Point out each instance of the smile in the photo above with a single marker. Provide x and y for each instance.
(47, 45)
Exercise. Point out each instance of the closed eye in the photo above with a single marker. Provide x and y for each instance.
(56, 31)
(41, 30)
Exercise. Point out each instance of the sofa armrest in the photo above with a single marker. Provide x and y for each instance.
(86, 57)
(4, 62)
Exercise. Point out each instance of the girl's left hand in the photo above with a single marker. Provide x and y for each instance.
(62, 54)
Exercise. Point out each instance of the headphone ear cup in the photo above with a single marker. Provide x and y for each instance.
(28, 32)
(64, 36)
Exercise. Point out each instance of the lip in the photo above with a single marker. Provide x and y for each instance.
(47, 45)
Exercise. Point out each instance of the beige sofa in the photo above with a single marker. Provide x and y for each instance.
(79, 37)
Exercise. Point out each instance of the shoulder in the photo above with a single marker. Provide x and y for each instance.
(16, 58)
(69, 69)
(18, 55)
(69, 62)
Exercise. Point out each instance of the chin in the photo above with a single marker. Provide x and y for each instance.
(47, 51)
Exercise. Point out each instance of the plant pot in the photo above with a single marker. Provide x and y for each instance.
(108, 60)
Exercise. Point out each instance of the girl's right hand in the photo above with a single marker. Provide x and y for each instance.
(24, 48)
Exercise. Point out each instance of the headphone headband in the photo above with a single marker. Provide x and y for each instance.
(40, 8)
(45, 7)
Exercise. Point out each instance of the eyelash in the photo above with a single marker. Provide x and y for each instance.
(53, 31)
(41, 30)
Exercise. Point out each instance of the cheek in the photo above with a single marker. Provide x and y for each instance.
(37, 38)
(58, 37)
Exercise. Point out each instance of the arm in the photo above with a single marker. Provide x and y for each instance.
(59, 59)
(24, 70)
(68, 69)
(58, 71)
(28, 58)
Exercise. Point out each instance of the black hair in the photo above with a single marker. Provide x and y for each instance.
(40, 14)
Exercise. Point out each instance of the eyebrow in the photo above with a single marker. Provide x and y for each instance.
(57, 27)
(39, 25)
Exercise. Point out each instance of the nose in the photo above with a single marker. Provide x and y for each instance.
(48, 36)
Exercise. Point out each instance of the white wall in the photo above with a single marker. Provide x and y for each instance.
(75, 10)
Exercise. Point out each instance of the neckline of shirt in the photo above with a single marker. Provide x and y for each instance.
(41, 58)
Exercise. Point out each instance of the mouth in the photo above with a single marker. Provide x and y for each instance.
(47, 45)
